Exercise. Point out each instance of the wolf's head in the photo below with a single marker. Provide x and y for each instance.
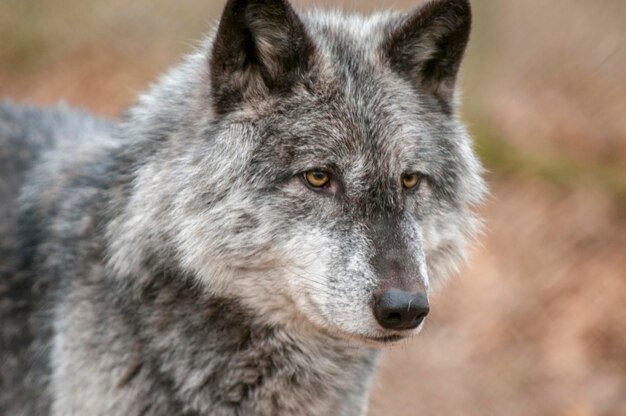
(313, 165)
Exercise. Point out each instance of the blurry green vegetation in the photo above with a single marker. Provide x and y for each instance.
(23, 42)
(503, 159)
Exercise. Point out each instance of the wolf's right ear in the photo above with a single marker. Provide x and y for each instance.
(261, 47)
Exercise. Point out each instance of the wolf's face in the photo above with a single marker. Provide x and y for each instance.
(332, 181)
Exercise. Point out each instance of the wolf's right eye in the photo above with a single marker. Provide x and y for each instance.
(317, 178)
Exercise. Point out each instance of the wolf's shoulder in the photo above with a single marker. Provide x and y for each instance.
(29, 133)
(26, 126)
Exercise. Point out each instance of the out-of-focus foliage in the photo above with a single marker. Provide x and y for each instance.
(535, 325)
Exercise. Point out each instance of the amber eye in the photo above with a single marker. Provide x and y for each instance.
(317, 178)
(411, 180)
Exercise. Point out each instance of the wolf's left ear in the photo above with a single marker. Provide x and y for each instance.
(427, 47)
(261, 47)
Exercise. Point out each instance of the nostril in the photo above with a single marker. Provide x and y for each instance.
(393, 317)
(419, 318)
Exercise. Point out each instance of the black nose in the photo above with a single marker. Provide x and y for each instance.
(397, 309)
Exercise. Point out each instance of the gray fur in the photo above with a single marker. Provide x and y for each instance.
(176, 263)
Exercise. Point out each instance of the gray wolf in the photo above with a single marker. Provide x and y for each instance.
(271, 213)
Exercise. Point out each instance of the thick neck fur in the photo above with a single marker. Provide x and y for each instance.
(226, 361)
(209, 355)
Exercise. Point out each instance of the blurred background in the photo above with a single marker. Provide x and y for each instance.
(536, 324)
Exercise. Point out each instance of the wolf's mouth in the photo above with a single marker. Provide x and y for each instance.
(389, 339)
(371, 340)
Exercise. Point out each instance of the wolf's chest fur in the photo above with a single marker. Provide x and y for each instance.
(195, 354)
(270, 214)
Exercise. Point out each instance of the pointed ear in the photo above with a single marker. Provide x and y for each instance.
(261, 47)
(427, 47)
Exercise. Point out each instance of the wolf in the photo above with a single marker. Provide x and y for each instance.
(272, 213)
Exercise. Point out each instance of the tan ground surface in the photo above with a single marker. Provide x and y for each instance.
(536, 324)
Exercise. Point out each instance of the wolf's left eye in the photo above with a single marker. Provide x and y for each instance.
(412, 180)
